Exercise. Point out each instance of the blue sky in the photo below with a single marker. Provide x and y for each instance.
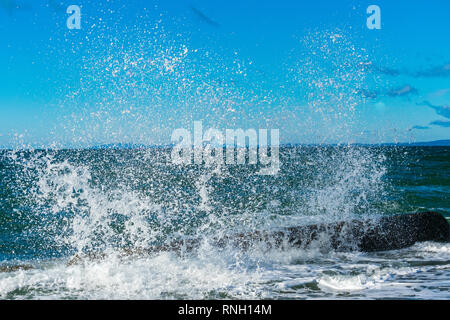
(139, 69)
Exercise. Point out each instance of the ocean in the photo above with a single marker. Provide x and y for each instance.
(98, 203)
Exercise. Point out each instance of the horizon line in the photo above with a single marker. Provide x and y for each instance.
(124, 146)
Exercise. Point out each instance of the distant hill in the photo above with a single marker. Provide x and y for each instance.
(124, 146)
(436, 143)
(127, 146)
(119, 146)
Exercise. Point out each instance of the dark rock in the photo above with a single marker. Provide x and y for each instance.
(370, 234)
(14, 268)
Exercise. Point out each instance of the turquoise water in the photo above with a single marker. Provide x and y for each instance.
(56, 204)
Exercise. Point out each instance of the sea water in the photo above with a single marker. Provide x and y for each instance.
(56, 204)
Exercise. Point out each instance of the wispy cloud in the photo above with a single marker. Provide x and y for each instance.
(388, 71)
(367, 93)
(420, 128)
(438, 71)
(394, 92)
(440, 110)
(441, 123)
(56, 5)
(203, 17)
(11, 5)
(428, 72)
(402, 91)
(440, 92)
